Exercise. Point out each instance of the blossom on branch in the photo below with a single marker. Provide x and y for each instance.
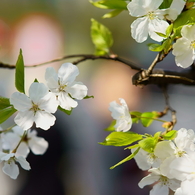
(64, 86)
(38, 145)
(150, 21)
(35, 108)
(121, 114)
(10, 167)
(184, 48)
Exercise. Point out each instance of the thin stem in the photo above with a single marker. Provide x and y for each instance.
(169, 108)
(155, 119)
(22, 138)
(83, 57)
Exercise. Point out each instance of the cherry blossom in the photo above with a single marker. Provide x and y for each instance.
(64, 86)
(150, 21)
(163, 183)
(184, 48)
(121, 114)
(35, 108)
(38, 145)
(10, 167)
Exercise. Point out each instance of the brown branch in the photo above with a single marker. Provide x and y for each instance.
(169, 108)
(163, 77)
(83, 57)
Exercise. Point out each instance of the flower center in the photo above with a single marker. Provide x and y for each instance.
(164, 180)
(35, 107)
(151, 15)
(192, 45)
(62, 87)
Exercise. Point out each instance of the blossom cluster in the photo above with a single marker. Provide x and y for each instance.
(171, 164)
(38, 108)
(15, 146)
(43, 101)
(154, 22)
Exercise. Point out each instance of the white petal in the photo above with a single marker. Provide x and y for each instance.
(22, 150)
(77, 90)
(141, 159)
(123, 124)
(20, 101)
(6, 157)
(157, 25)
(139, 29)
(11, 169)
(24, 164)
(25, 119)
(67, 73)
(159, 189)
(164, 150)
(52, 79)
(187, 188)
(186, 59)
(49, 103)
(136, 8)
(44, 120)
(142, 7)
(116, 110)
(182, 167)
(66, 102)
(181, 46)
(37, 91)
(38, 145)
(149, 179)
(188, 32)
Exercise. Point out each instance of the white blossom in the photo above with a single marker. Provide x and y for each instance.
(64, 86)
(38, 145)
(146, 160)
(163, 183)
(150, 21)
(184, 48)
(175, 9)
(10, 167)
(35, 108)
(121, 114)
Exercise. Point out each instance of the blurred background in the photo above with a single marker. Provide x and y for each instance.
(75, 164)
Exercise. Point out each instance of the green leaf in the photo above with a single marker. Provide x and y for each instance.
(19, 74)
(169, 30)
(4, 102)
(165, 4)
(87, 97)
(135, 115)
(155, 47)
(126, 159)
(148, 144)
(161, 34)
(111, 126)
(68, 112)
(101, 38)
(147, 118)
(157, 135)
(112, 13)
(121, 138)
(167, 45)
(131, 147)
(187, 17)
(6, 113)
(170, 135)
(110, 4)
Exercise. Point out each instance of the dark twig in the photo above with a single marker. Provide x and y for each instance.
(83, 57)
(169, 108)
